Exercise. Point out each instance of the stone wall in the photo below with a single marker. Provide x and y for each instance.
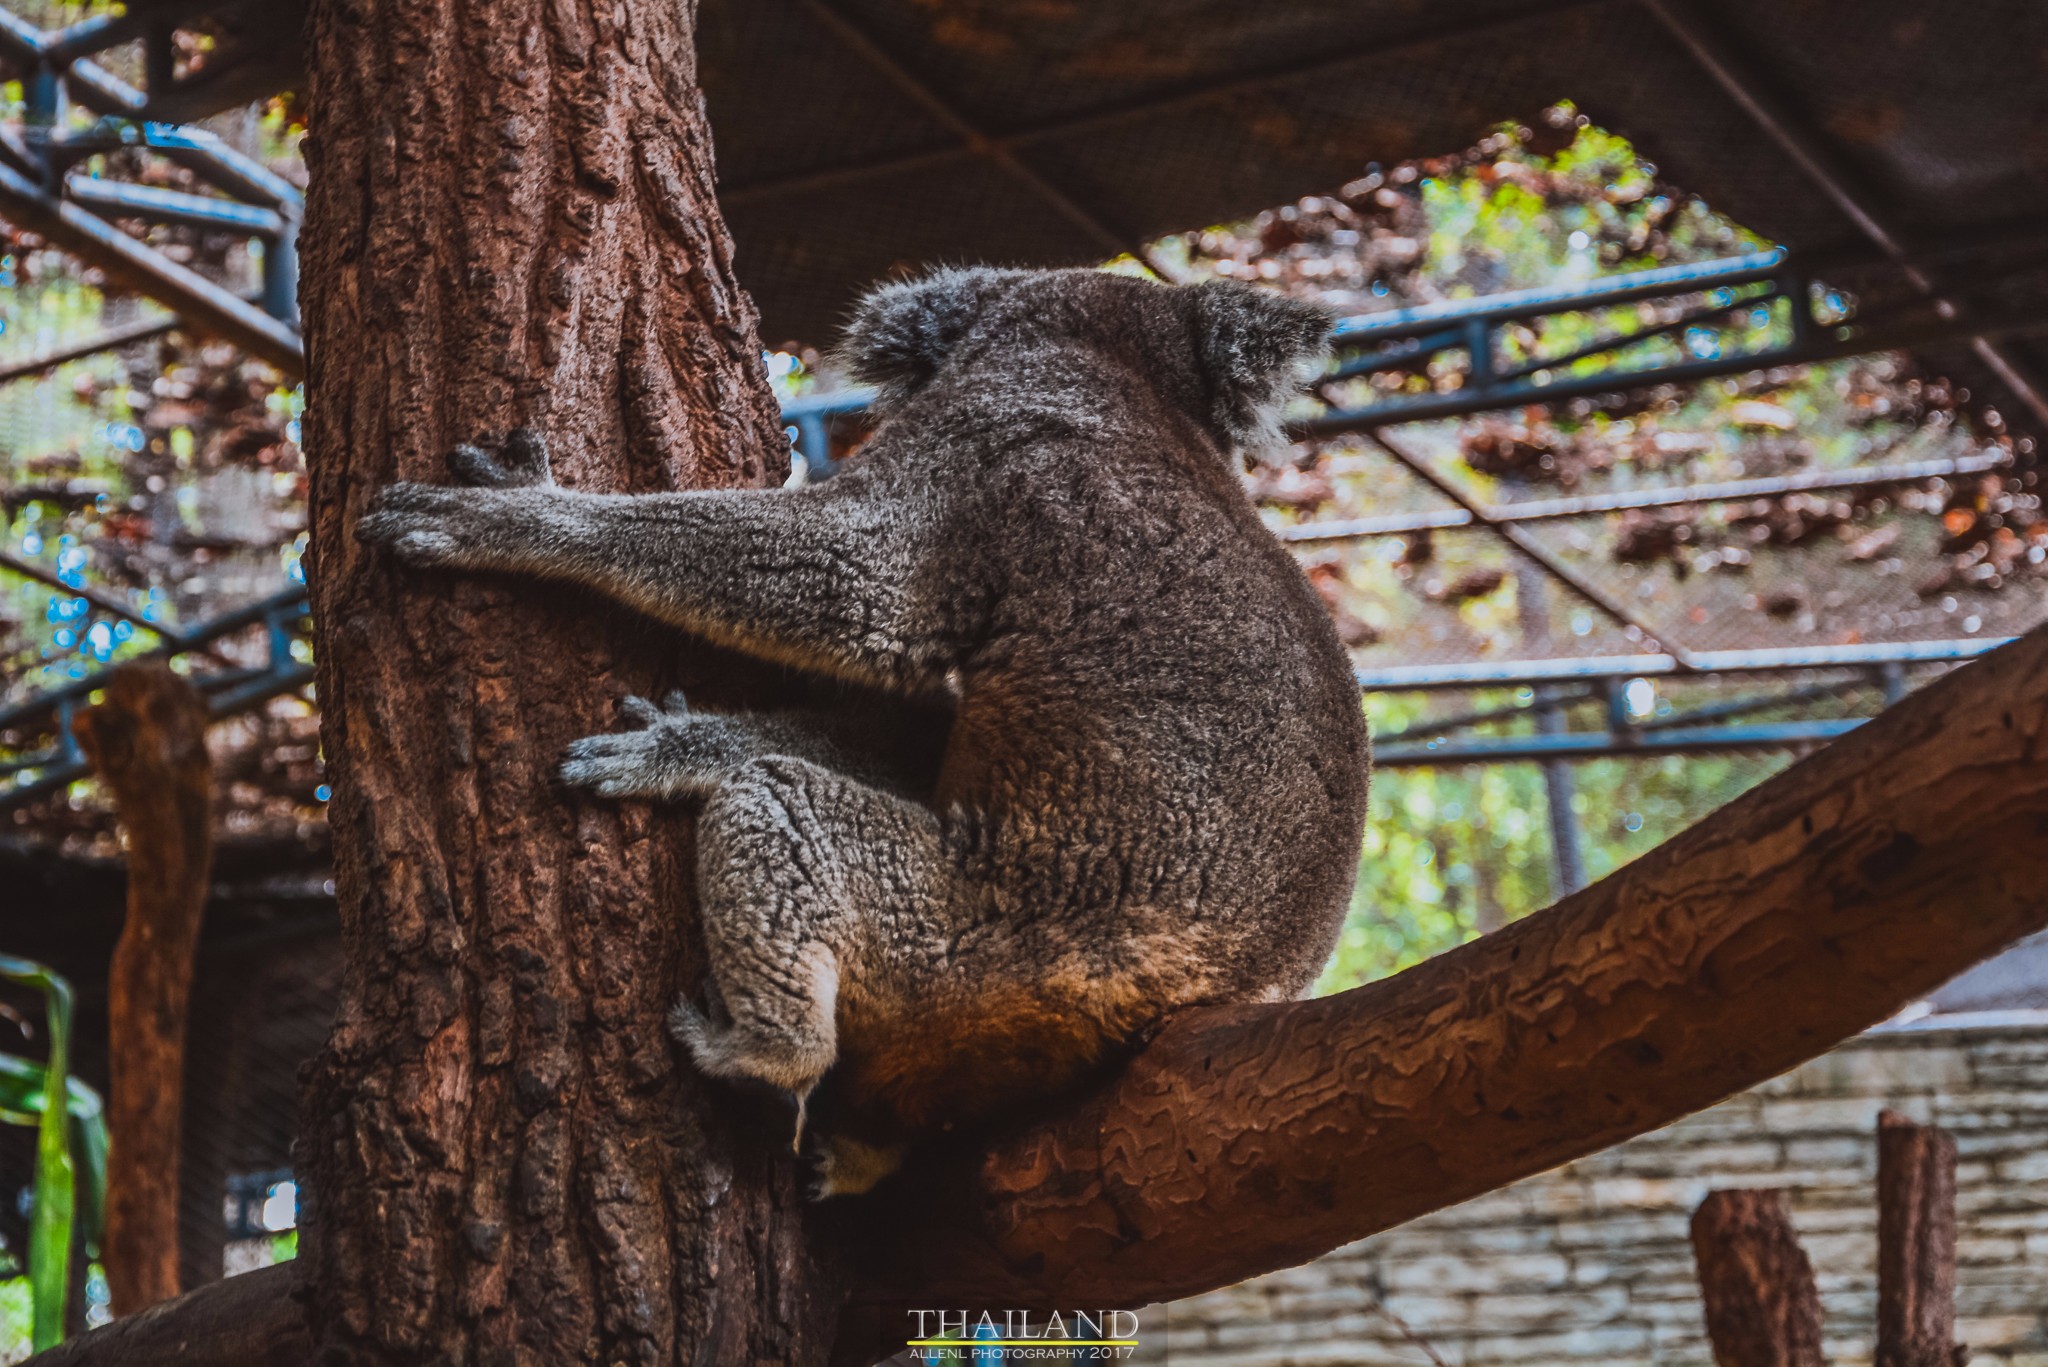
(1591, 1263)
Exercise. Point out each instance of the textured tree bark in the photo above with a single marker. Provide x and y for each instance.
(512, 223)
(1249, 1138)
(147, 741)
(1916, 1246)
(1762, 1307)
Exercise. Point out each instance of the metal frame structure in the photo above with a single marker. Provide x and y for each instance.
(1694, 296)
(1738, 78)
(229, 689)
(43, 189)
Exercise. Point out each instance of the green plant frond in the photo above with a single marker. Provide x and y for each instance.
(54, 1221)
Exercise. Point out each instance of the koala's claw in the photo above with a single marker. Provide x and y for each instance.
(525, 457)
(522, 461)
(474, 465)
(617, 764)
(673, 707)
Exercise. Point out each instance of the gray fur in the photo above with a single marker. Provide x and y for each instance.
(1154, 787)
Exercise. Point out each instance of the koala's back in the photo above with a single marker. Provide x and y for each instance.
(1154, 787)
(1164, 698)
(1158, 768)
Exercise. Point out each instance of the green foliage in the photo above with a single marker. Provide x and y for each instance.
(51, 1223)
(17, 1318)
(1452, 852)
(22, 1084)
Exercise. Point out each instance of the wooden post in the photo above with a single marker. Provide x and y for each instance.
(148, 743)
(1916, 1245)
(1763, 1309)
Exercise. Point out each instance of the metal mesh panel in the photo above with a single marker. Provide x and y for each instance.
(1156, 118)
(1826, 568)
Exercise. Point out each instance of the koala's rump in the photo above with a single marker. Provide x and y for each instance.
(966, 1055)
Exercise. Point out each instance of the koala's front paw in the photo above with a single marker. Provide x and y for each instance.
(420, 524)
(649, 762)
(427, 525)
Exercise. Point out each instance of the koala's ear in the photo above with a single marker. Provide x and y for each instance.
(900, 334)
(1253, 347)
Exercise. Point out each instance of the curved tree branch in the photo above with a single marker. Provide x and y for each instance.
(254, 1320)
(1244, 1139)
(1251, 1138)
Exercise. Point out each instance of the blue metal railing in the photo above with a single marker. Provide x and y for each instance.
(228, 690)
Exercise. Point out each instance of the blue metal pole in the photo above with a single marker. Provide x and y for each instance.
(1567, 852)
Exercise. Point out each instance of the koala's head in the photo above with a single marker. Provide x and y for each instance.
(1230, 355)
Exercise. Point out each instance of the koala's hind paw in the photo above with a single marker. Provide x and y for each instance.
(653, 761)
(786, 1058)
(844, 1166)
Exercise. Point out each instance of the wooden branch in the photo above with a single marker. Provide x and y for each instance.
(1762, 1306)
(1916, 1245)
(1250, 1138)
(147, 741)
(1244, 1139)
(253, 1320)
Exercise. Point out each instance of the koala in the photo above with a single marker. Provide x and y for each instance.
(1154, 787)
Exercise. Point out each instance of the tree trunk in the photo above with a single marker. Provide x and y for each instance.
(148, 743)
(1762, 1307)
(512, 223)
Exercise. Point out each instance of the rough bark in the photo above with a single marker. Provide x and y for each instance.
(511, 223)
(1762, 1306)
(147, 742)
(1916, 1245)
(1249, 1138)
(1243, 1139)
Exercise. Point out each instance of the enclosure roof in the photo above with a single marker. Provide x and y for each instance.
(859, 137)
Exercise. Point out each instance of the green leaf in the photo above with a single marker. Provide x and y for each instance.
(53, 1221)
